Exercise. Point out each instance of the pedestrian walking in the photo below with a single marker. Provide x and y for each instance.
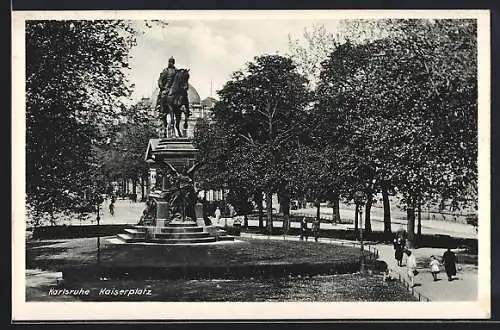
(434, 266)
(217, 214)
(449, 260)
(112, 208)
(399, 245)
(411, 266)
(303, 229)
(316, 229)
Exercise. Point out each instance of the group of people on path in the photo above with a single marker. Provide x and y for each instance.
(304, 230)
(448, 260)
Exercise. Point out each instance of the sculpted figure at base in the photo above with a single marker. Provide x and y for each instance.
(180, 193)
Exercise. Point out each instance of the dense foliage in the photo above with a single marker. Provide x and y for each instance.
(393, 112)
(75, 85)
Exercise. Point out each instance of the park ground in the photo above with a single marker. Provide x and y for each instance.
(310, 283)
(463, 288)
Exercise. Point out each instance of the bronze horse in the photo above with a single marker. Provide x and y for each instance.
(173, 100)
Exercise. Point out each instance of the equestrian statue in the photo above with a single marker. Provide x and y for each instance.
(172, 98)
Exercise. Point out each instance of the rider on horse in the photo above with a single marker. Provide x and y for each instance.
(172, 98)
(165, 81)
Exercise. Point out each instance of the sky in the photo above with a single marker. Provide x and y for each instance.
(211, 49)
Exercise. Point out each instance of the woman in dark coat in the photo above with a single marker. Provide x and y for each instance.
(449, 261)
(398, 250)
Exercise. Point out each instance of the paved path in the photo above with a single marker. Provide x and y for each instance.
(127, 212)
(463, 288)
(39, 283)
(452, 228)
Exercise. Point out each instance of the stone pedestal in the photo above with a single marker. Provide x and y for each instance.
(198, 209)
(161, 213)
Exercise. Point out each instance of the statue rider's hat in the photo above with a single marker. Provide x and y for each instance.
(171, 59)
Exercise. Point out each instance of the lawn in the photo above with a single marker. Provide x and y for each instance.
(348, 287)
(83, 251)
(80, 254)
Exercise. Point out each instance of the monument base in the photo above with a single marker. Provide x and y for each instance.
(173, 161)
(174, 232)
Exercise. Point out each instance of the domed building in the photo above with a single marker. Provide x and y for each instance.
(195, 107)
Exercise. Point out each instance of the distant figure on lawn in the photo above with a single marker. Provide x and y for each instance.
(434, 266)
(411, 266)
(217, 214)
(232, 211)
(449, 260)
(112, 207)
(303, 229)
(399, 246)
(316, 229)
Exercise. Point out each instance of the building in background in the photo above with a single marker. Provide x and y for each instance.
(195, 107)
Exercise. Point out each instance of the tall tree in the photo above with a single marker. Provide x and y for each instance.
(75, 84)
(257, 121)
(123, 157)
(416, 99)
(308, 53)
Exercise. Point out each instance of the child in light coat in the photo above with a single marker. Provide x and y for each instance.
(434, 266)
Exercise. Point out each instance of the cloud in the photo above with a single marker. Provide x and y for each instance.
(211, 49)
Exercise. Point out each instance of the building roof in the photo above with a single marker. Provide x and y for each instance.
(193, 96)
(208, 102)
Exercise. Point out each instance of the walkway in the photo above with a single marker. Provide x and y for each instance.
(463, 288)
(127, 212)
(452, 228)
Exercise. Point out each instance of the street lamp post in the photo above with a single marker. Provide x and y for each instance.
(362, 268)
(360, 198)
(99, 200)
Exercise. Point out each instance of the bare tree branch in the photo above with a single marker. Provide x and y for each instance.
(249, 139)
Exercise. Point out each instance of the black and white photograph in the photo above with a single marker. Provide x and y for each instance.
(269, 164)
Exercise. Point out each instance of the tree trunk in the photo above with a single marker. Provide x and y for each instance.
(269, 211)
(141, 183)
(356, 220)
(258, 201)
(410, 227)
(280, 203)
(224, 206)
(387, 211)
(419, 220)
(336, 209)
(318, 210)
(134, 186)
(285, 209)
(245, 221)
(143, 188)
(368, 208)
